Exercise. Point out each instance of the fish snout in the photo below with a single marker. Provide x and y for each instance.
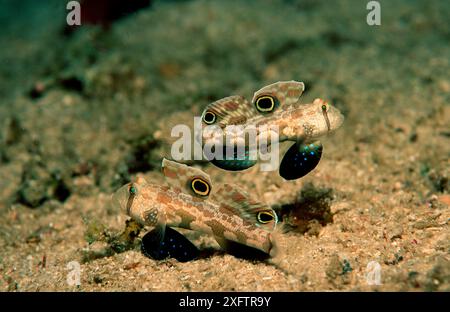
(120, 199)
(336, 118)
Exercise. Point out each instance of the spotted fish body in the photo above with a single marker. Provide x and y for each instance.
(274, 109)
(228, 214)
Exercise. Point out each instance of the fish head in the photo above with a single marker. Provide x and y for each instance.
(330, 113)
(313, 120)
(132, 199)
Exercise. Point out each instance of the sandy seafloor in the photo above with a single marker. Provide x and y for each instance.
(82, 114)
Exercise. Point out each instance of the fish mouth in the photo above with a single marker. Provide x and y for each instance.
(334, 119)
(120, 199)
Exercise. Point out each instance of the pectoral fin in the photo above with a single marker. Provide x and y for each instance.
(300, 159)
(173, 245)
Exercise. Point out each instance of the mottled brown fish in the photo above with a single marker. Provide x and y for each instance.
(274, 108)
(190, 202)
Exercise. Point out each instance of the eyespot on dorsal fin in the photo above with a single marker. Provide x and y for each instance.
(187, 179)
(300, 160)
(232, 110)
(233, 198)
(269, 98)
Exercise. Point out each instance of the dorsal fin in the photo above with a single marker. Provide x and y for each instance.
(232, 197)
(232, 110)
(282, 93)
(186, 179)
(236, 110)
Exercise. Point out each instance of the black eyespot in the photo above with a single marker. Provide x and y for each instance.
(266, 103)
(200, 187)
(265, 217)
(209, 118)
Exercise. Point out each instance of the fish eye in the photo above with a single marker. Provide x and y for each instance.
(324, 108)
(132, 190)
(200, 187)
(209, 118)
(265, 217)
(265, 103)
